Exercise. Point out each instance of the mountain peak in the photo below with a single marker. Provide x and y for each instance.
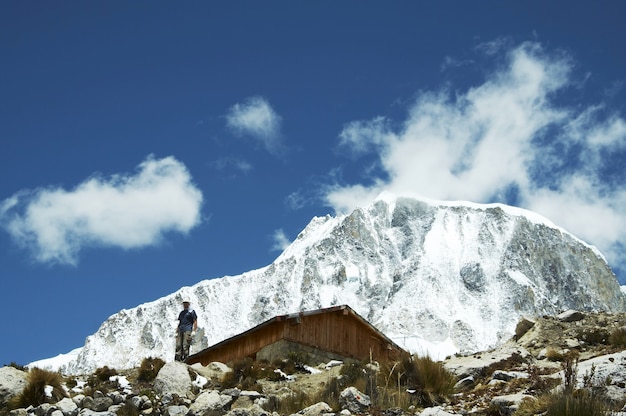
(435, 277)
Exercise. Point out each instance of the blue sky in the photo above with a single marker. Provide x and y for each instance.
(146, 146)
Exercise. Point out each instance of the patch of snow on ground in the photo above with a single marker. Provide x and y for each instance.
(200, 381)
(333, 363)
(312, 370)
(122, 383)
(285, 375)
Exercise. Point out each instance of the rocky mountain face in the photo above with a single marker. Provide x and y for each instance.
(437, 278)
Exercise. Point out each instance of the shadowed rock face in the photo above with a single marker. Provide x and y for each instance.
(434, 277)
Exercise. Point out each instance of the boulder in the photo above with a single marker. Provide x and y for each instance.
(213, 371)
(173, 378)
(317, 409)
(602, 369)
(208, 402)
(523, 326)
(12, 382)
(67, 407)
(475, 365)
(353, 400)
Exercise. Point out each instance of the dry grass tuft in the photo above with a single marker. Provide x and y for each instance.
(43, 387)
(149, 369)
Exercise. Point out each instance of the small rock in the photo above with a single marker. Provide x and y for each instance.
(242, 402)
(100, 404)
(435, 411)
(43, 409)
(509, 403)
(175, 411)
(464, 383)
(508, 375)
(570, 316)
(571, 343)
(135, 402)
(317, 409)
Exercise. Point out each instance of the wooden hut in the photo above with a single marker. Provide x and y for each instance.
(332, 333)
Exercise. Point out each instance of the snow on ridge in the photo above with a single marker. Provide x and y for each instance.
(54, 363)
(391, 198)
(314, 231)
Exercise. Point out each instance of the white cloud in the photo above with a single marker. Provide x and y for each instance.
(127, 211)
(256, 118)
(280, 240)
(507, 133)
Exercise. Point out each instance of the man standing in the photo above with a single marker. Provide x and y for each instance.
(187, 322)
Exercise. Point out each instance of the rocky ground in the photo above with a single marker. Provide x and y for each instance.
(586, 350)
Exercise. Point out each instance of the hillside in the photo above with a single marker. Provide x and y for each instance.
(521, 377)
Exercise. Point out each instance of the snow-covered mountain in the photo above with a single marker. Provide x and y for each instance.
(436, 277)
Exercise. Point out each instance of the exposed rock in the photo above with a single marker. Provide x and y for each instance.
(88, 412)
(175, 411)
(508, 375)
(353, 400)
(570, 316)
(464, 383)
(213, 371)
(600, 369)
(476, 364)
(523, 326)
(208, 402)
(43, 409)
(253, 410)
(509, 403)
(242, 402)
(68, 407)
(173, 378)
(100, 404)
(12, 382)
(78, 399)
(317, 409)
